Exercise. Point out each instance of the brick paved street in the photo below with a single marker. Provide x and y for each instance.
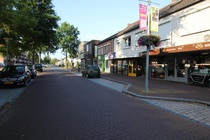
(61, 105)
(195, 112)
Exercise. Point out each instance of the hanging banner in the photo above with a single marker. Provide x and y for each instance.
(142, 17)
(154, 18)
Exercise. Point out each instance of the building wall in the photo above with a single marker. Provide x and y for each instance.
(103, 50)
(81, 47)
(187, 26)
(123, 51)
(184, 29)
(90, 52)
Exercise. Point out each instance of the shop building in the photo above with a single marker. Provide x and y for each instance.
(185, 42)
(105, 51)
(89, 53)
(81, 54)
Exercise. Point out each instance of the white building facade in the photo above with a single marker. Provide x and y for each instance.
(185, 42)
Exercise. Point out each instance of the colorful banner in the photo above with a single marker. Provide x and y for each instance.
(154, 18)
(142, 17)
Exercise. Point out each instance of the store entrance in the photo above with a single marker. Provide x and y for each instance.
(132, 65)
(176, 70)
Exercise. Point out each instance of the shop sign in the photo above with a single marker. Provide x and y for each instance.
(142, 17)
(111, 55)
(189, 47)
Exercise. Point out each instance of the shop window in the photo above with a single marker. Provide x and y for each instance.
(125, 67)
(170, 70)
(119, 67)
(158, 71)
(180, 70)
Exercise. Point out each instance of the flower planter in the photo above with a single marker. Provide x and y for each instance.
(149, 40)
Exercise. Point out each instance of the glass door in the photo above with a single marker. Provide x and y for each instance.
(176, 70)
(132, 68)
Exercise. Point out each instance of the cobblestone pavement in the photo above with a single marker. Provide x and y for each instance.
(195, 112)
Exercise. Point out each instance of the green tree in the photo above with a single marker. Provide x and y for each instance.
(47, 59)
(7, 27)
(31, 24)
(54, 60)
(67, 36)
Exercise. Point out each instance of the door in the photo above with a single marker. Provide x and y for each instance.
(132, 65)
(176, 70)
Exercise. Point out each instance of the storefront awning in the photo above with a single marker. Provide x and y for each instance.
(187, 48)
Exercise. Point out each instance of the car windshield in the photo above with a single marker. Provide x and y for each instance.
(93, 68)
(13, 69)
(38, 65)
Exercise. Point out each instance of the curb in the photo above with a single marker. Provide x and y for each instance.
(128, 85)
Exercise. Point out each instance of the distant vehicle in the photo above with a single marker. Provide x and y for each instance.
(38, 67)
(15, 75)
(33, 71)
(91, 71)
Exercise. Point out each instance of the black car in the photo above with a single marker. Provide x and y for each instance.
(15, 75)
(38, 67)
(33, 71)
(91, 71)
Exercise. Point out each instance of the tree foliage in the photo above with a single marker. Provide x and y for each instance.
(46, 60)
(68, 39)
(31, 25)
(54, 60)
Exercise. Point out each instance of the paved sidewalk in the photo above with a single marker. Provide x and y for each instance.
(195, 112)
(161, 89)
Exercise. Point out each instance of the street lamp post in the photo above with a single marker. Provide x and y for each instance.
(148, 48)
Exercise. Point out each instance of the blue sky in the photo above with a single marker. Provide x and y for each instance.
(97, 19)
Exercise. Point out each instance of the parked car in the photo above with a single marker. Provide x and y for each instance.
(15, 75)
(33, 71)
(38, 67)
(91, 71)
